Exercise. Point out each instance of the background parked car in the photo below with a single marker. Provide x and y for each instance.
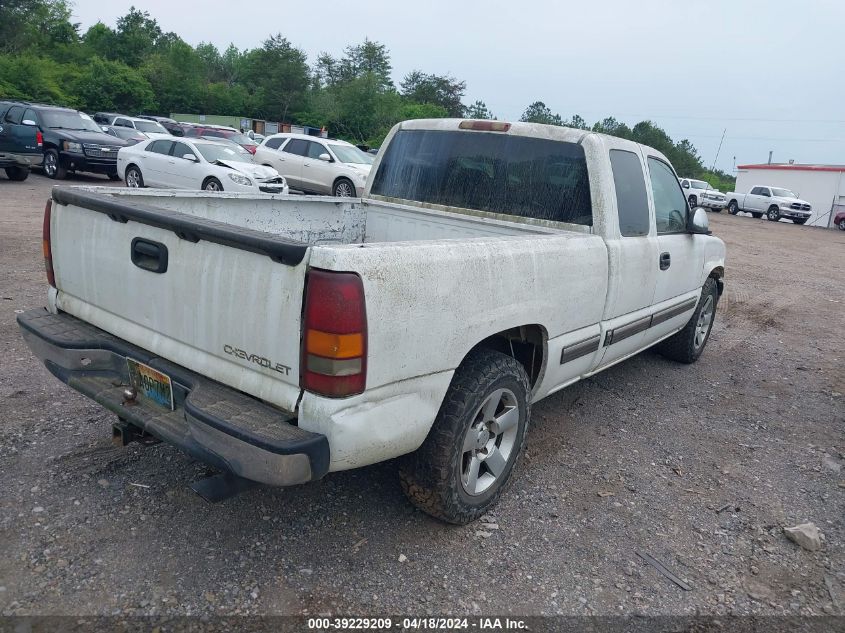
(171, 125)
(317, 165)
(839, 220)
(222, 132)
(20, 141)
(143, 125)
(128, 134)
(195, 164)
(72, 141)
(230, 143)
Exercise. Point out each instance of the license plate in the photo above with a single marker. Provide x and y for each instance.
(151, 383)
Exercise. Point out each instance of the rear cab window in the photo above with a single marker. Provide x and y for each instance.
(486, 171)
(631, 196)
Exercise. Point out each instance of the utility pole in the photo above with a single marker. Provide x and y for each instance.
(770, 156)
(719, 150)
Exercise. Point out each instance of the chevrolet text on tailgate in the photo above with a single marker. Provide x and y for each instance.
(277, 338)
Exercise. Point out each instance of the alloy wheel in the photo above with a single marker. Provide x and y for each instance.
(489, 442)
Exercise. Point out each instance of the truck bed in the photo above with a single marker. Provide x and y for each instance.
(315, 220)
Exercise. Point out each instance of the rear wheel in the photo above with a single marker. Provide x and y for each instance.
(757, 214)
(343, 188)
(842, 224)
(17, 173)
(773, 213)
(686, 346)
(470, 452)
(53, 166)
(134, 179)
(733, 207)
(212, 184)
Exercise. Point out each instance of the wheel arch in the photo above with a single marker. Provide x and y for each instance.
(718, 273)
(527, 344)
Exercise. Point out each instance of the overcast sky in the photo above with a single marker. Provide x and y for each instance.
(769, 72)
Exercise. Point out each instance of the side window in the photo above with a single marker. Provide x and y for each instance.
(670, 204)
(30, 115)
(755, 191)
(273, 143)
(180, 149)
(631, 196)
(764, 191)
(15, 114)
(160, 147)
(315, 149)
(296, 146)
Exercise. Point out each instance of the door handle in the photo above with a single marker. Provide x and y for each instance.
(149, 255)
(665, 261)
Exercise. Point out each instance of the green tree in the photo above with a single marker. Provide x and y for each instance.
(443, 91)
(479, 110)
(538, 112)
(613, 127)
(111, 85)
(137, 35)
(39, 26)
(176, 73)
(279, 76)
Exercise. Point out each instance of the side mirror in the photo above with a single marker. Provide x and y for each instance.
(698, 221)
(325, 157)
(28, 122)
(685, 185)
(190, 157)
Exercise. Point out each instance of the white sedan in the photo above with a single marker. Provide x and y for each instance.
(195, 164)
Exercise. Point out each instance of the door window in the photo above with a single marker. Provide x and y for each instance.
(756, 191)
(180, 149)
(670, 204)
(296, 146)
(30, 115)
(160, 147)
(315, 149)
(273, 143)
(631, 196)
(14, 115)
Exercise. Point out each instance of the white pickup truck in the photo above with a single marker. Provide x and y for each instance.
(700, 193)
(774, 202)
(487, 265)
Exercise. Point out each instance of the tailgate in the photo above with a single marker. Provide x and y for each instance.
(227, 304)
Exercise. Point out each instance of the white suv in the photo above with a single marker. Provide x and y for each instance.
(316, 165)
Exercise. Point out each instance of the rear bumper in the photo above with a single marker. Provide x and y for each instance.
(211, 422)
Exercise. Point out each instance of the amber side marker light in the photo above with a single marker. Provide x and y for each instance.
(485, 126)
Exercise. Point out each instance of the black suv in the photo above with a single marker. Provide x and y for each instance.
(73, 142)
(20, 141)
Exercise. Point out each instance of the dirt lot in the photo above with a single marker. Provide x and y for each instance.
(705, 465)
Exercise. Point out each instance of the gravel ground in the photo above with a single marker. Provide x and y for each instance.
(699, 466)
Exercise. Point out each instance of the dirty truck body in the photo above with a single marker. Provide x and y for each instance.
(281, 338)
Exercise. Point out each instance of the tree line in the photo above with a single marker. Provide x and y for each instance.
(136, 67)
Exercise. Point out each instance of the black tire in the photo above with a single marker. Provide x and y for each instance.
(801, 221)
(733, 207)
(432, 477)
(53, 165)
(842, 225)
(17, 173)
(773, 214)
(133, 178)
(757, 214)
(693, 201)
(343, 188)
(212, 184)
(684, 346)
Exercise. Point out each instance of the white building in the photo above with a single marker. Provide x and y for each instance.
(823, 186)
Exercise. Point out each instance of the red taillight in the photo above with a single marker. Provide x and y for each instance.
(251, 148)
(45, 244)
(334, 341)
(39, 138)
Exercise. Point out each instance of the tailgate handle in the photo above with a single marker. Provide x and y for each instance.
(149, 255)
